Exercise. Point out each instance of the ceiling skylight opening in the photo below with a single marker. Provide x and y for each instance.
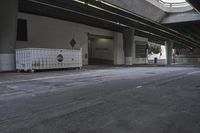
(173, 3)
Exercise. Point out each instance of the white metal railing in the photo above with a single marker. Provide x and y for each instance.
(173, 5)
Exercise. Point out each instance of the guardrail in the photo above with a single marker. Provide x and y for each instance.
(173, 5)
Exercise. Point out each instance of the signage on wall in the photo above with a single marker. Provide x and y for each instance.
(73, 43)
(60, 58)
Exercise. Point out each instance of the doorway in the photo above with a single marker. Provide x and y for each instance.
(100, 50)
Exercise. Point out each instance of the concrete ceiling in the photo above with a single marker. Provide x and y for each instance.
(105, 16)
(195, 4)
(190, 28)
(181, 17)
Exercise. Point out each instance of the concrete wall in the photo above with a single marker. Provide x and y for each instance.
(45, 32)
(186, 57)
(190, 59)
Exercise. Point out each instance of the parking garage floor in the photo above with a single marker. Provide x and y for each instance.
(102, 100)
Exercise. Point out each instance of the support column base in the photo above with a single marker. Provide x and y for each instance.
(128, 61)
(7, 62)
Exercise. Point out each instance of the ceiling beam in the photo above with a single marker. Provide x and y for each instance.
(101, 11)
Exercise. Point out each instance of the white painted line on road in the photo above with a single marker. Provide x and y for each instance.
(139, 87)
(195, 72)
(38, 79)
(12, 94)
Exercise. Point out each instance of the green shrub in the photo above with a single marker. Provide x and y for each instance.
(154, 48)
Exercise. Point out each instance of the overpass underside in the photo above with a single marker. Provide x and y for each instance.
(116, 19)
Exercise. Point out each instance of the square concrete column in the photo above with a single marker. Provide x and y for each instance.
(8, 30)
(118, 49)
(169, 50)
(128, 40)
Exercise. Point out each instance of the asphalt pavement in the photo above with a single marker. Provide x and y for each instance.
(102, 100)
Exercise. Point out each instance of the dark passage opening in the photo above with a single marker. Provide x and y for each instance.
(100, 50)
(22, 30)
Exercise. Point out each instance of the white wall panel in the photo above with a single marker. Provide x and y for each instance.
(43, 58)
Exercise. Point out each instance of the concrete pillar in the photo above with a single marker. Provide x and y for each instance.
(8, 30)
(128, 40)
(118, 49)
(169, 49)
